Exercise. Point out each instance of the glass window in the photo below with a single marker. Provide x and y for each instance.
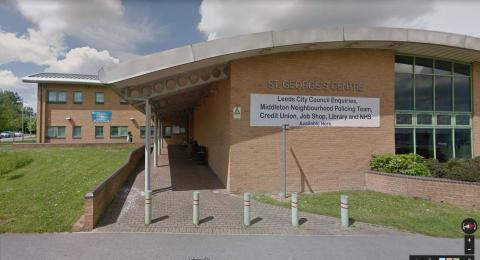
(444, 120)
(404, 64)
(98, 131)
(99, 97)
(423, 66)
(118, 131)
(167, 131)
(462, 120)
(444, 148)
(443, 67)
(404, 91)
(77, 97)
(403, 140)
(56, 131)
(77, 132)
(424, 138)
(423, 119)
(404, 119)
(462, 94)
(443, 93)
(57, 97)
(463, 148)
(142, 132)
(424, 92)
(461, 69)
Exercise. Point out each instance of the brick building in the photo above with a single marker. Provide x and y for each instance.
(346, 93)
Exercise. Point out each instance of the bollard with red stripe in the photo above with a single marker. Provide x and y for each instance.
(344, 210)
(196, 210)
(294, 209)
(246, 209)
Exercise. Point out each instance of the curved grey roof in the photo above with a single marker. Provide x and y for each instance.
(162, 65)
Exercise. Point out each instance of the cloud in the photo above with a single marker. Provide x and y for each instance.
(83, 60)
(98, 23)
(9, 81)
(220, 18)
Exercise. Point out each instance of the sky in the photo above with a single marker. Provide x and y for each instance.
(74, 36)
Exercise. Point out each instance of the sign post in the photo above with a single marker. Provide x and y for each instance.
(284, 159)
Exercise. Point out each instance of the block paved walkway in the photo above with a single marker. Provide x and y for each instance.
(173, 182)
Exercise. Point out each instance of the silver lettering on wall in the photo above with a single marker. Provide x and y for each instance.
(331, 85)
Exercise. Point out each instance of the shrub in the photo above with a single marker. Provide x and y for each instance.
(456, 169)
(10, 161)
(408, 164)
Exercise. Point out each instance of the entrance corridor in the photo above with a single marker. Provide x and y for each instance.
(173, 182)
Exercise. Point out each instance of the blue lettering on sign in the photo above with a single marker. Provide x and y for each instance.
(101, 116)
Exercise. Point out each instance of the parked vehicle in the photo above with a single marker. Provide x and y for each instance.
(18, 134)
(6, 134)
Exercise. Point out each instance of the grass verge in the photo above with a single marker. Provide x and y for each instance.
(409, 214)
(47, 194)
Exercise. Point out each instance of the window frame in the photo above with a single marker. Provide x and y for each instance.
(96, 100)
(118, 132)
(453, 113)
(73, 132)
(56, 136)
(81, 94)
(142, 132)
(56, 101)
(103, 132)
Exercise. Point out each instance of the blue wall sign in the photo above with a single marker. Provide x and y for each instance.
(101, 116)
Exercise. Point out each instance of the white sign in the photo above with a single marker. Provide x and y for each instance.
(321, 111)
(237, 112)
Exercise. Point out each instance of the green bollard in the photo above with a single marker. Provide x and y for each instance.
(344, 210)
(196, 210)
(148, 207)
(246, 209)
(294, 209)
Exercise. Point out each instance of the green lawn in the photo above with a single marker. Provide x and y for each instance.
(410, 214)
(47, 194)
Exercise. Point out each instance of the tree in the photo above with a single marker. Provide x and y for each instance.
(11, 111)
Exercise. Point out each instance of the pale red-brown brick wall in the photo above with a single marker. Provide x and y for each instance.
(440, 190)
(476, 107)
(212, 126)
(318, 159)
(56, 114)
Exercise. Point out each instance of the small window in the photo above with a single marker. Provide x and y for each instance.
(167, 131)
(56, 132)
(57, 97)
(77, 97)
(77, 132)
(118, 131)
(444, 120)
(404, 119)
(423, 119)
(99, 97)
(98, 131)
(462, 120)
(142, 132)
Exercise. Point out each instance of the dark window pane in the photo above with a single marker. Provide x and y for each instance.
(404, 64)
(403, 91)
(462, 94)
(443, 93)
(443, 138)
(403, 140)
(423, 66)
(424, 92)
(462, 120)
(463, 148)
(461, 69)
(443, 67)
(444, 120)
(424, 138)
(404, 119)
(424, 119)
